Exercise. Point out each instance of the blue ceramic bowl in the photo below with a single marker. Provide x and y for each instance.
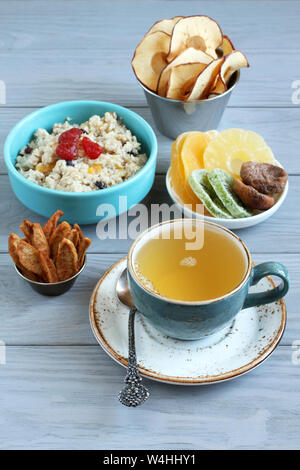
(79, 207)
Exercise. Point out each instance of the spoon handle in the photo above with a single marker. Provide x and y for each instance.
(132, 370)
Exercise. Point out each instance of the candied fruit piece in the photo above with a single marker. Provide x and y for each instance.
(45, 168)
(68, 144)
(200, 184)
(187, 156)
(67, 151)
(92, 149)
(232, 147)
(96, 168)
(70, 136)
(222, 183)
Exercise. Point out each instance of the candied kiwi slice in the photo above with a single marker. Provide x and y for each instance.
(222, 183)
(201, 186)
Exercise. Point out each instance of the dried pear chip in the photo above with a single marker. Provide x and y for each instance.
(84, 244)
(66, 260)
(63, 230)
(204, 81)
(189, 56)
(181, 81)
(26, 227)
(150, 58)
(50, 225)
(222, 183)
(13, 241)
(202, 188)
(48, 268)
(39, 240)
(74, 237)
(200, 32)
(78, 229)
(29, 257)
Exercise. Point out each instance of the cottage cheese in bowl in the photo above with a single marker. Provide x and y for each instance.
(120, 156)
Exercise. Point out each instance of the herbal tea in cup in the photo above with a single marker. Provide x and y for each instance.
(190, 288)
(167, 266)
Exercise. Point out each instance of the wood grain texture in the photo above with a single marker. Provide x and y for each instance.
(261, 238)
(65, 398)
(64, 320)
(279, 127)
(52, 51)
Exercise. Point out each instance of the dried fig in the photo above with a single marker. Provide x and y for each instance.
(266, 178)
(251, 197)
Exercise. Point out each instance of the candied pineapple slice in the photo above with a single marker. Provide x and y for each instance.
(231, 148)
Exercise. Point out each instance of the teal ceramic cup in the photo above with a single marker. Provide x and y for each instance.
(82, 208)
(194, 320)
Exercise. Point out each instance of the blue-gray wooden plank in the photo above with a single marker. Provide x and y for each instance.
(54, 51)
(66, 398)
(63, 395)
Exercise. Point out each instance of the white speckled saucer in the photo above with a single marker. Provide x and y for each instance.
(252, 337)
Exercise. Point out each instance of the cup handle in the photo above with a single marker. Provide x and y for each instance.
(269, 268)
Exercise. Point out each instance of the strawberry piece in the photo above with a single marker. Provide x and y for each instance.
(91, 149)
(67, 148)
(70, 136)
(67, 151)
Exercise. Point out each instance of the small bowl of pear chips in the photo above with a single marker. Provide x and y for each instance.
(51, 257)
(188, 69)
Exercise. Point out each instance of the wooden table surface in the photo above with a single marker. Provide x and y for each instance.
(58, 388)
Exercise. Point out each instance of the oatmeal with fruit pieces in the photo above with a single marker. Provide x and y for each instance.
(94, 155)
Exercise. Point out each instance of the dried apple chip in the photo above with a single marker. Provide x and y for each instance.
(166, 25)
(150, 58)
(182, 79)
(200, 32)
(232, 62)
(67, 260)
(227, 45)
(204, 81)
(189, 56)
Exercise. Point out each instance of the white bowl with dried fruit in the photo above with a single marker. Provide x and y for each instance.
(229, 177)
